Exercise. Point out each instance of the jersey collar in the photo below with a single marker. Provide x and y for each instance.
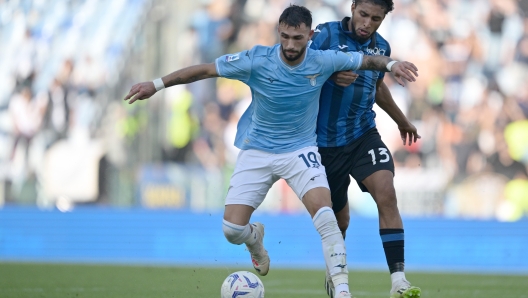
(344, 26)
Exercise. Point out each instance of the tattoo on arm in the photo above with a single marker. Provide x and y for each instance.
(375, 63)
(189, 75)
(180, 80)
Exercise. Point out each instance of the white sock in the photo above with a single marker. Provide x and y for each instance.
(341, 288)
(238, 234)
(334, 249)
(396, 277)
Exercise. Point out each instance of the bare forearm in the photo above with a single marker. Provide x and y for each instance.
(183, 76)
(190, 74)
(378, 63)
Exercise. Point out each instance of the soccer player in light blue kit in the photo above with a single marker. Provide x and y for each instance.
(276, 134)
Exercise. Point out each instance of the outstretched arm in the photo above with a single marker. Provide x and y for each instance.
(386, 102)
(186, 75)
(404, 69)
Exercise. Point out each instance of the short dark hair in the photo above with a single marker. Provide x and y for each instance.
(387, 4)
(296, 15)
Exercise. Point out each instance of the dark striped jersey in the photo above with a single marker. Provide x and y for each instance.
(346, 113)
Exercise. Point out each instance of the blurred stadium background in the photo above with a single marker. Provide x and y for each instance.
(85, 177)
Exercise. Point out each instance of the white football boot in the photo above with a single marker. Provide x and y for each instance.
(259, 256)
(329, 285)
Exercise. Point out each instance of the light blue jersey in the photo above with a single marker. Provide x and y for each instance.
(282, 116)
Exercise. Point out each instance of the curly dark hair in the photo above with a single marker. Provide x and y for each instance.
(296, 15)
(387, 4)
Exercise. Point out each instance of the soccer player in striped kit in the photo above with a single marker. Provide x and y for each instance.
(348, 140)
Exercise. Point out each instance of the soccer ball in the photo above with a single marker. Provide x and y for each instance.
(242, 284)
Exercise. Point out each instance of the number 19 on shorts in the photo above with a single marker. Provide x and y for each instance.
(385, 157)
(310, 158)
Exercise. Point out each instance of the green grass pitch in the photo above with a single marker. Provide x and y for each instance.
(65, 280)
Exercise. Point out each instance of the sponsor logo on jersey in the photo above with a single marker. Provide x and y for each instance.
(374, 52)
(344, 46)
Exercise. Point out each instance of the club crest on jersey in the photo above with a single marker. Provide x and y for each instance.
(230, 58)
(313, 79)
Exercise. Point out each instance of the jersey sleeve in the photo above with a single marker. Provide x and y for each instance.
(320, 39)
(344, 60)
(235, 66)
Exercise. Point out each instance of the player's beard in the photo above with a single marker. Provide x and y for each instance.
(284, 53)
(357, 37)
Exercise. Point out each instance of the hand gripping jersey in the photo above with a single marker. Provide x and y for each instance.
(346, 113)
(285, 100)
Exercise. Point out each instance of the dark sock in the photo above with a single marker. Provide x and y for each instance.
(393, 244)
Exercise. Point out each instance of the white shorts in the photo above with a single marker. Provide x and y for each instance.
(256, 171)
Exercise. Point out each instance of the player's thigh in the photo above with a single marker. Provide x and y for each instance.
(371, 156)
(338, 165)
(302, 170)
(380, 184)
(251, 179)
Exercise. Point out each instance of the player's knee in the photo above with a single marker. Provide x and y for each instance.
(385, 197)
(316, 199)
(235, 234)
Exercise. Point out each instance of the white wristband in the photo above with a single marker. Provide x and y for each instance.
(158, 83)
(390, 64)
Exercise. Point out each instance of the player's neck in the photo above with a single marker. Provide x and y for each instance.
(294, 62)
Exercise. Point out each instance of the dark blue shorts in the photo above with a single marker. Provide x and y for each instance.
(359, 159)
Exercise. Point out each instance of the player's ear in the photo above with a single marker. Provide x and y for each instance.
(311, 34)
